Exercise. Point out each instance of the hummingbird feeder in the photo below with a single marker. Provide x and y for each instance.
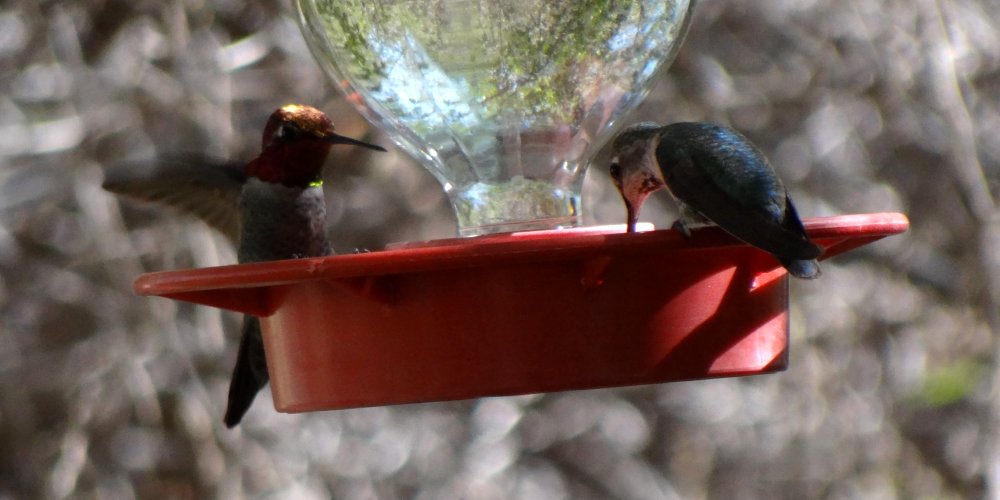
(516, 313)
(505, 102)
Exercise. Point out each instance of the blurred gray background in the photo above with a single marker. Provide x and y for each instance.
(862, 105)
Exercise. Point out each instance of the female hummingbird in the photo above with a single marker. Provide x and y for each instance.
(272, 208)
(717, 176)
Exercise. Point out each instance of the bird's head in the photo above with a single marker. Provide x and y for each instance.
(633, 167)
(296, 142)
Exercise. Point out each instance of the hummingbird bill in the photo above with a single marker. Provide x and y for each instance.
(271, 208)
(717, 176)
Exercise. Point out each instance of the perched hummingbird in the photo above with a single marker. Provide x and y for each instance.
(272, 208)
(717, 176)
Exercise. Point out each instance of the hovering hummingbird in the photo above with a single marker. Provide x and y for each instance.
(272, 208)
(717, 176)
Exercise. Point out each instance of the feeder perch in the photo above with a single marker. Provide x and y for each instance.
(516, 313)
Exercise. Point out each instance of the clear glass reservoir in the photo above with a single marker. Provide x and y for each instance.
(504, 101)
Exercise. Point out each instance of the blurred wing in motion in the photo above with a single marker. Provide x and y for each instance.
(204, 187)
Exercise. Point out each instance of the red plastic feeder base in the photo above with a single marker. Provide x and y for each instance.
(515, 313)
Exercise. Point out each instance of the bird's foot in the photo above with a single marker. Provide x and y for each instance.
(681, 227)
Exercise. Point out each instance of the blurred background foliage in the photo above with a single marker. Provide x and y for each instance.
(863, 106)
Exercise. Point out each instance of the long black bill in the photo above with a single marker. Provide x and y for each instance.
(339, 139)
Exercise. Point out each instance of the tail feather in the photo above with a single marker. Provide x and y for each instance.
(249, 374)
(802, 268)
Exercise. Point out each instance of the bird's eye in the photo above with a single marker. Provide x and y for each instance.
(616, 171)
(288, 132)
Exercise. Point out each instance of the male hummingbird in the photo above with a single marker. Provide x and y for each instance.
(717, 176)
(272, 208)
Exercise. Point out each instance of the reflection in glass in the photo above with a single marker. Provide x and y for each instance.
(504, 101)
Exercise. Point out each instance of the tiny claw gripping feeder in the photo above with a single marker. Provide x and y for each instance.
(515, 313)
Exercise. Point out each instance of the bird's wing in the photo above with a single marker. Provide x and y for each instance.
(757, 189)
(765, 219)
(206, 188)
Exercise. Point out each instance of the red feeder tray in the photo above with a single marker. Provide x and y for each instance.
(515, 313)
